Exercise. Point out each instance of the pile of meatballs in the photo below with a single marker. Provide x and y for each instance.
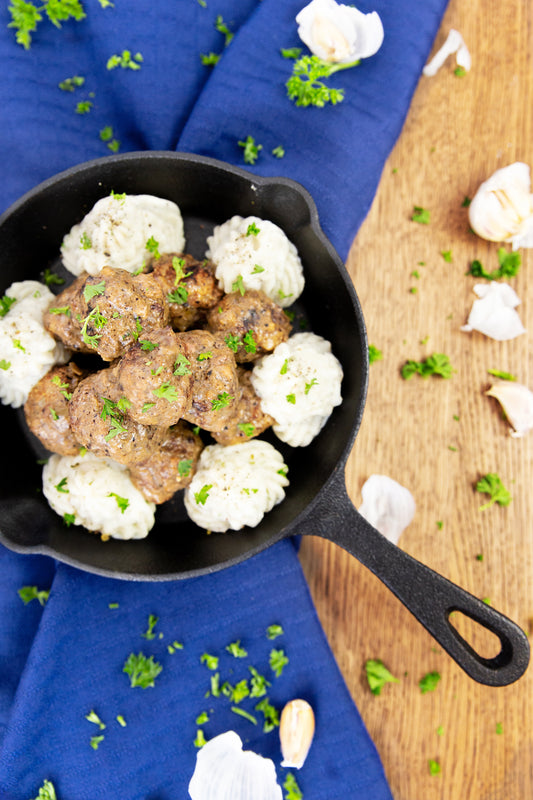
(174, 356)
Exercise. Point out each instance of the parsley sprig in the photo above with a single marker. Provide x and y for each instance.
(142, 670)
(304, 86)
(25, 16)
(492, 485)
(509, 266)
(378, 675)
(435, 364)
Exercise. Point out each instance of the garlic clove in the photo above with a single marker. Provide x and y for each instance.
(296, 731)
(387, 505)
(338, 33)
(502, 208)
(224, 771)
(454, 44)
(494, 314)
(517, 403)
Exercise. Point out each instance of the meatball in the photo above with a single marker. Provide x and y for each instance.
(249, 420)
(155, 375)
(110, 311)
(215, 391)
(190, 288)
(64, 315)
(252, 324)
(170, 467)
(99, 421)
(46, 409)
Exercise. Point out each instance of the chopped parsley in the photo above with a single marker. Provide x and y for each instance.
(125, 60)
(304, 86)
(152, 622)
(285, 367)
(222, 28)
(273, 631)
(232, 342)
(83, 107)
(247, 428)
(147, 345)
(47, 791)
(29, 593)
(184, 467)
(146, 407)
(92, 290)
(309, 386)
(142, 670)
(492, 485)
(203, 494)
(56, 380)
(238, 285)
(202, 718)
(252, 229)
(236, 650)
(257, 269)
(61, 486)
(153, 247)
(200, 738)
(249, 342)
(61, 310)
(429, 682)
(291, 398)
(115, 412)
(374, 354)
(93, 717)
(242, 713)
(52, 278)
(97, 321)
(420, 215)
(166, 392)
(435, 364)
(278, 661)
(96, 741)
(447, 256)
(251, 149)
(209, 59)
(210, 661)
(499, 728)
(278, 152)
(122, 502)
(504, 376)
(509, 266)
(293, 791)
(221, 401)
(17, 343)
(204, 356)
(4, 364)
(69, 519)
(69, 84)
(179, 295)
(181, 365)
(433, 766)
(25, 16)
(378, 675)
(121, 721)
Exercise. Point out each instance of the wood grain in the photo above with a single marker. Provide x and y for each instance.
(458, 131)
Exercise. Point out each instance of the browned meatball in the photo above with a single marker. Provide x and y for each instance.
(99, 421)
(249, 420)
(156, 376)
(190, 287)
(170, 467)
(216, 391)
(252, 324)
(46, 409)
(63, 317)
(109, 312)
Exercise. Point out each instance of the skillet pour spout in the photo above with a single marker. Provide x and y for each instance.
(208, 192)
(430, 597)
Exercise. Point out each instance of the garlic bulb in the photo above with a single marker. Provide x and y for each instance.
(224, 771)
(387, 505)
(454, 44)
(502, 208)
(517, 403)
(494, 313)
(296, 731)
(337, 33)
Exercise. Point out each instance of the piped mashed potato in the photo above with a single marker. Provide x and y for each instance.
(98, 494)
(116, 231)
(254, 253)
(235, 486)
(299, 385)
(27, 350)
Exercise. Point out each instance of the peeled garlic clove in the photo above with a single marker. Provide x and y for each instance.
(224, 771)
(454, 44)
(502, 208)
(387, 505)
(296, 731)
(517, 403)
(494, 313)
(338, 33)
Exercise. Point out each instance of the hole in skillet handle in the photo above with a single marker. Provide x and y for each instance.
(429, 596)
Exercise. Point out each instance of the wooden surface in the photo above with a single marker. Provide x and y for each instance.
(458, 131)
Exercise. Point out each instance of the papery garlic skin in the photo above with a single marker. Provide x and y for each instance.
(502, 208)
(517, 403)
(454, 44)
(296, 731)
(224, 771)
(494, 313)
(387, 505)
(337, 33)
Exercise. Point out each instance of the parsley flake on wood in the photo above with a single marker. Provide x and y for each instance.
(435, 364)
(504, 376)
(29, 593)
(492, 485)
(429, 682)
(421, 215)
(142, 670)
(251, 149)
(374, 354)
(509, 266)
(433, 766)
(378, 675)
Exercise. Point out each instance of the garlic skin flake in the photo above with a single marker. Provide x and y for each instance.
(387, 505)
(517, 403)
(296, 731)
(454, 44)
(494, 313)
(224, 771)
(502, 208)
(337, 33)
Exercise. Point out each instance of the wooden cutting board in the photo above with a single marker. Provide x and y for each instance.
(438, 437)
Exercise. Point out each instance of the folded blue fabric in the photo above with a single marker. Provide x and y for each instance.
(62, 660)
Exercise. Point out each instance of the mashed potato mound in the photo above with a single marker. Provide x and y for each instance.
(260, 253)
(115, 232)
(100, 495)
(299, 385)
(27, 350)
(235, 485)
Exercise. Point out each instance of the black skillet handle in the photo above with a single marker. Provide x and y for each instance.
(428, 595)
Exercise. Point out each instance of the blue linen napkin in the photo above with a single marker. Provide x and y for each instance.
(60, 661)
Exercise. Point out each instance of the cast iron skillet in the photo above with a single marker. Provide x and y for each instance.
(209, 192)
